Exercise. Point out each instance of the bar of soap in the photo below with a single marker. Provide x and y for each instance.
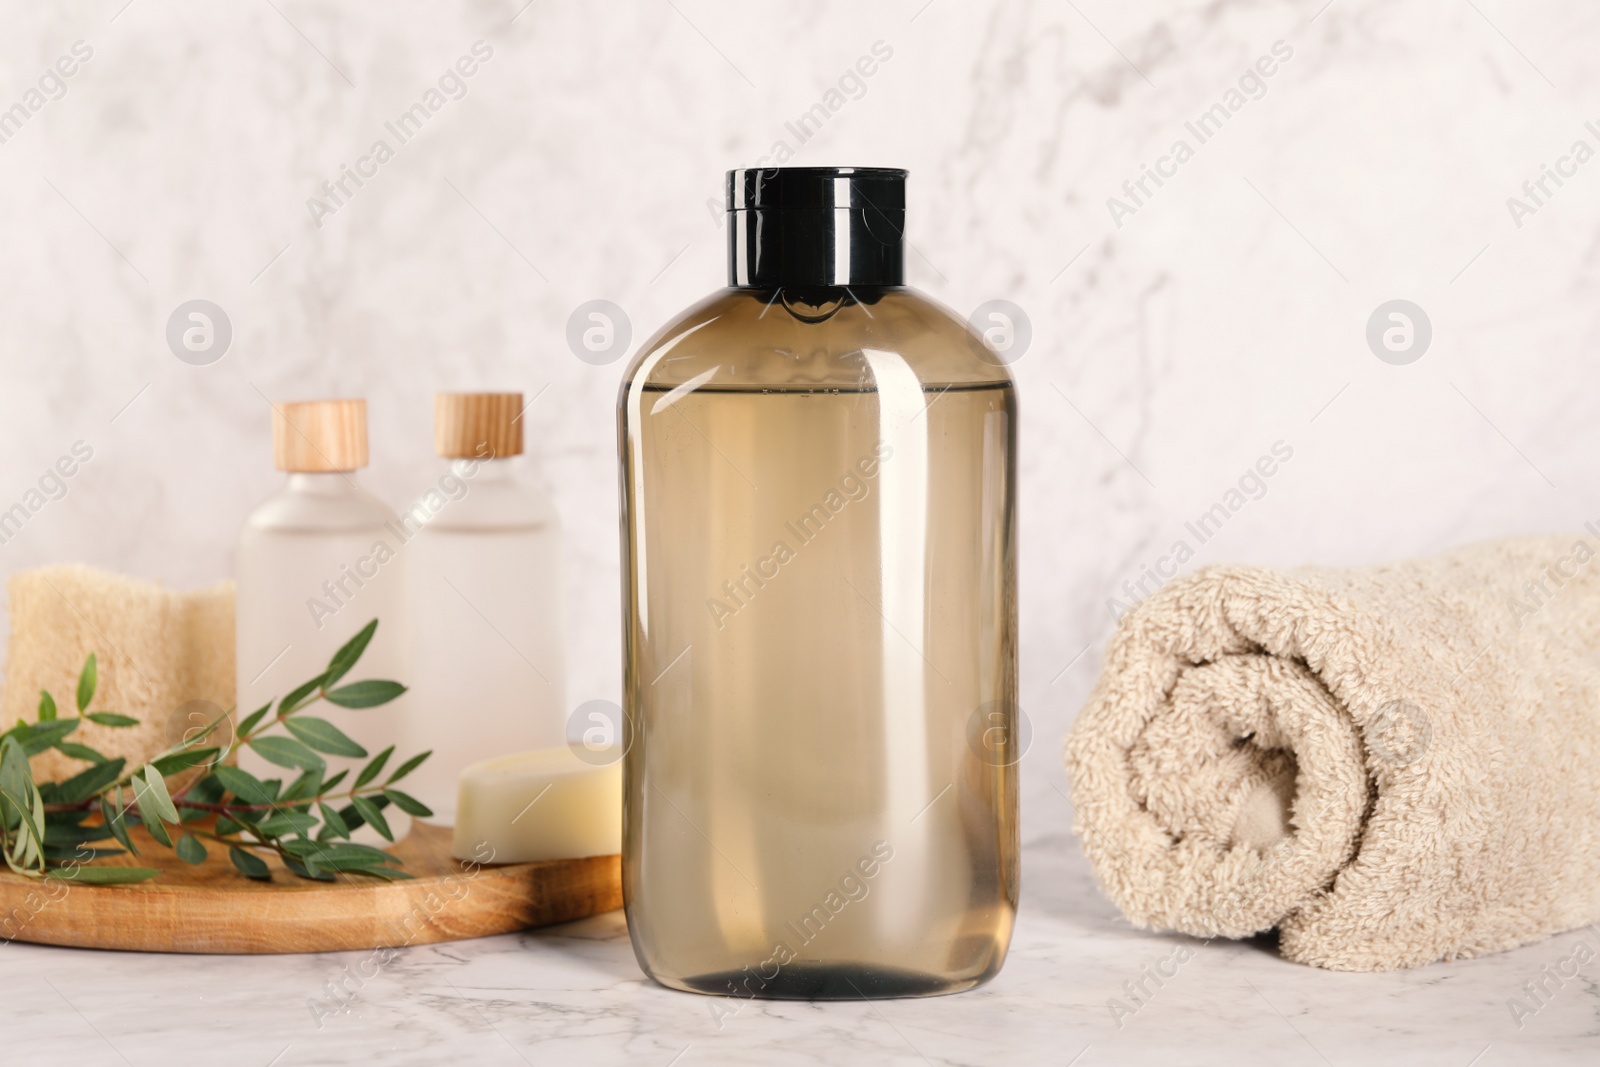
(546, 804)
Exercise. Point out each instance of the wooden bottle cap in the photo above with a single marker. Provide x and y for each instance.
(477, 425)
(320, 435)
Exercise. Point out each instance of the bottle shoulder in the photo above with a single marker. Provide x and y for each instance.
(752, 340)
(506, 504)
(327, 506)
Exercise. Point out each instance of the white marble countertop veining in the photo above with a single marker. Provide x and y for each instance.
(572, 994)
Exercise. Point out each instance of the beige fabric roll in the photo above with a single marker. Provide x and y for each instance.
(1391, 765)
(160, 654)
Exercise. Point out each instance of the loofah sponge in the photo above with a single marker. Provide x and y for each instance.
(165, 657)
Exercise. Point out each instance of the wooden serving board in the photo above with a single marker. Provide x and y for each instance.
(211, 907)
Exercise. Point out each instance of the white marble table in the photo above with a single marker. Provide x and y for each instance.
(573, 995)
(1170, 349)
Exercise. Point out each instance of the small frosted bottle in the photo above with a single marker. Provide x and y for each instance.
(317, 561)
(819, 567)
(486, 586)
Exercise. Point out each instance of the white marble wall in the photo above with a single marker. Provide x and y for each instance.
(1226, 313)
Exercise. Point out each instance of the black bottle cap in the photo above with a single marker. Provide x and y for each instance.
(808, 227)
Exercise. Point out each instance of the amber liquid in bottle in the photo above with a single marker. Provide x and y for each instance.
(821, 795)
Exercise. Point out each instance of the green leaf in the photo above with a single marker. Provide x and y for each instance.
(35, 739)
(77, 751)
(332, 821)
(344, 857)
(226, 826)
(207, 790)
(67, 819)
(16, 864)
(408, 766)
(249, 865)
(280, 823)
(182, 761)
(308, 870)
(47, 707)
(287, 752)
(14, 769)
(367, 694)
(289, 704)
(87, 681)
(40, 818)
(150, 792)
(158, 830)
(251, 719)
(244, 785)
(372, 816)
(86, 784)
(327, 787)
(373, 769)
(351, 818)
(117, 824)
(304, 787)
(75, 817)
(323, 736)
(408, 803)
(24, 807)
(346, 657)
(58, 854)
(365, 852)
(190, 850)
(21, 808)
(102, 875)
(111, 718)
(56, 834)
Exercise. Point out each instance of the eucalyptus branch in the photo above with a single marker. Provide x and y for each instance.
(297, 822)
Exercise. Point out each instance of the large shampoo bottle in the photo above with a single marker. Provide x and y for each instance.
(819, 565)
(317, 561)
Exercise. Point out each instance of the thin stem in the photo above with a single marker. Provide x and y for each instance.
(244, 739)
(223, 809)
(212, 835)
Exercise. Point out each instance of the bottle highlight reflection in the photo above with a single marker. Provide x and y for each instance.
(819, 544)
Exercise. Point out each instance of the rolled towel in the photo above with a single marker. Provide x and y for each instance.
(1389, 765)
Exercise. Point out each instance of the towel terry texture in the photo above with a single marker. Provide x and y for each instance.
(1391, 765)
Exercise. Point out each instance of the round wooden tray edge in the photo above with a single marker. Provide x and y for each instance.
(238, 916)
